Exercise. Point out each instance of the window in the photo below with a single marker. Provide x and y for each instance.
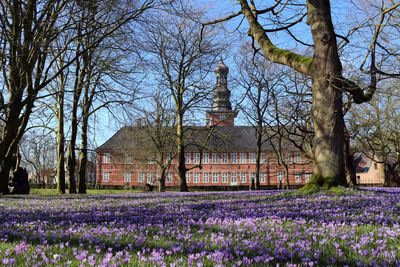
(106, 177)
(262, 177)
(297, 177)
(215, 177)
(206, 158)
(297, 158)
(279, 176)
(233, 178)
(243, 177)
(169, 177)
(106, 158)
(234, 157)
(222, 117)
(289, 159)
(150, 177)
(225, 158)
(262, 157)
(307, 177)
(214, 158)
(206, 177)
(141, 177)
(196, 158)
(169, 157)
(252, 157)
(128, 160)
(127, 177)
(242, 157)
(253, 176)
(187, 158)
(151, 161)
(188, 177)
(196, 177)
(224, 177)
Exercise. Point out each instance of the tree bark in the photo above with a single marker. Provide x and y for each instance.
(60, 143)
(350, 169)
(392, 178)
(258, 158)
(83, 154)
(181, 153)
(327, 103)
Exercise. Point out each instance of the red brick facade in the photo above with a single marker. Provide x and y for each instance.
(218, 169)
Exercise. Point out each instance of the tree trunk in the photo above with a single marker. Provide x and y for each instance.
(181, 153)
(392, 178)
(287, 185)
(327, 98)
(161, 186)
(60, 144)
(258, 158)
(83, 155)
(350, 169)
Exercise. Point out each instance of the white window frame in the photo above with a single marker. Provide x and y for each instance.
(233, 157)
(297, 158)
(196, 177)
(224, 158)
(234, 178)
(279, 177)
(215, 177)
(169, 177)
(262, 157)
(149, 178)
(196, 158)
(263, 175)
(128, 160)
(106, 177)
(187, 158)
(127, 177)
(252, 158)
(225, 177)
(106, 158)
(206, 177)
(289, 159)
(307, 177)
(243, 177)
(188, 177)
(206, 158)
(243, 158)
(141, 177)
(215, 158)
(253, 176)
(297, 177)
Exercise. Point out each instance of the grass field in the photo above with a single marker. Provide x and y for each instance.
(259, 228)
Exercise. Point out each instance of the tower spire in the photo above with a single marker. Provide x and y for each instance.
(221, 113)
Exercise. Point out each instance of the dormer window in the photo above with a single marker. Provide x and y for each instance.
(106, 158)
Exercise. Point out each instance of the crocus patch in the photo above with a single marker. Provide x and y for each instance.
(257, 228)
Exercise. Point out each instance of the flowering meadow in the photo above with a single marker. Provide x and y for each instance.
(262, 228)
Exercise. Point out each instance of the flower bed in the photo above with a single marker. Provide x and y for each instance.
(202, 229)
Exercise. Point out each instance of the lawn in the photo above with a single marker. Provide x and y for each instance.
(201, 229)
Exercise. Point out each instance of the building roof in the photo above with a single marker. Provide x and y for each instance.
(220, 138)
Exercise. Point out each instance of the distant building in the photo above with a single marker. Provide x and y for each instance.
(368, 171)
(229, 159)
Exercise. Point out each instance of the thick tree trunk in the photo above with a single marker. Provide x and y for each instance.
(181, 154)
(392, 175)
(161, 186)
(327, 98)
(60, 145)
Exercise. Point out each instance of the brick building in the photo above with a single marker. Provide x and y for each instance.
(227, 157)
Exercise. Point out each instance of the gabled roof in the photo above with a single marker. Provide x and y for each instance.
(222, 138)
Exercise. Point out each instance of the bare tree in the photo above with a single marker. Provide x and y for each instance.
(376, 130)
(324, 68)
(182, 61)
